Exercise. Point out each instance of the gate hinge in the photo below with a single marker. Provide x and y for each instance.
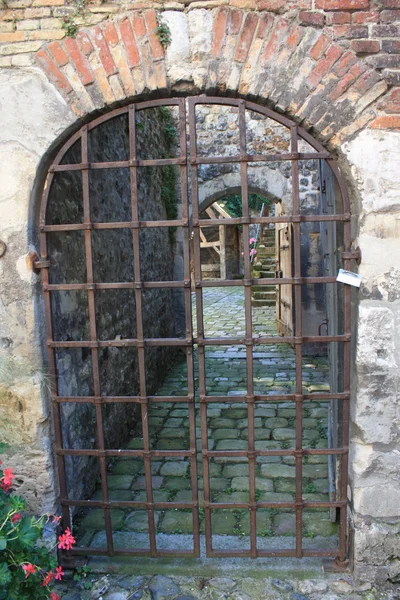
(353, 255)
(34, 263)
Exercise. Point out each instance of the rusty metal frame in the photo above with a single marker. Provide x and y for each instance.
(193, 222)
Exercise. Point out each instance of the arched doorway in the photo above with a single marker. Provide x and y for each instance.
(115, 230)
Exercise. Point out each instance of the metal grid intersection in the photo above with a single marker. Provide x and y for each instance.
(193, 223)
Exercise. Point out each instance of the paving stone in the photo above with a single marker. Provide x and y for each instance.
(232, 445)
(322, 485)
(285, 485)
(138, 520)
(259, 433)
(172, 422)
(286, 412)
(177, 483)
(172, 444)
(223, 522)
(235, 413)
(163, 587)
(114, 495)
(177, 521)
(135, 444)
(311, 434)
(263, 522)
(140, 482)
(173, 433)
(315, 471)
(174, 469)
(127, 467)
(234, 497)
(235, 471)
(225, 434)
(310, 423)
(95, 519)
(179, 412)
(223, 423)
(315, 524)
(285, 524)
(158, 496)
(276, 422)
(282, 586)
(183, 496)
(276, 497)
(283, 433)
(278, 470)
(119, 482)
(264, 412)
(245, 422)
(216, 484)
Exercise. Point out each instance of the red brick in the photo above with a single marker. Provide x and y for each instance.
(110, 33)
(320, 46)
(387, 61)
(79, 61)
(157, 50)
(11, 15)
(265, 24)
(391, 102)
(139, 26)
(390, 3)
(386, 122)
(131, 49)
(338, 18)
(391, 46)
(342, 4)
(391, 77)
(385, 31)
(278, 34)
(365, 17)
(15, 36)
(312, 18)
(366, 46)
(346, 82)
(324, 65)
(246, 37)
(350, 31)
(366, 82)
(60, 57)
(390, 16)
(344, 64)
(84, 43)
(295, 35)
(53, 72)
(235, 22)
(219, 31)
(104, 51)
(272, 5)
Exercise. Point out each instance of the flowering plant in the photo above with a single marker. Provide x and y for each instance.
(27, 569)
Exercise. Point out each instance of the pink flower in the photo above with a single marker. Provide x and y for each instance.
(66, 540)
(48, 578)
(54, 596)
(55, 518)
(252, 241)
(59, 573)
(15, 518)
(7, 478)
(29, 569)
(253, 252)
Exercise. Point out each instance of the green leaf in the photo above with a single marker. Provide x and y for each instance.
(5, 575)
(3, 543)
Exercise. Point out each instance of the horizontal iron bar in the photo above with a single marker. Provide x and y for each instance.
(137, 552)
(122, 399)
(120, 452)
(117, 164)
(130, 504)
(115, 225)
(54, 287)
(266, 220)
(121, 343)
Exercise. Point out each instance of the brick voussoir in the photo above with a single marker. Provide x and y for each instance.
(104, 52)
(55, 75)
(219, 31)
(157, 50)
(80, 63)
(246, 37)
(333, 53)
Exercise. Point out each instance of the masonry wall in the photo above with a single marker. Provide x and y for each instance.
(332, 66)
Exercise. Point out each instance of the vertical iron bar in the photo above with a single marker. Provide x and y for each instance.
(139, 332)
(93, 338)
(189, 326)
(200, 324)
(51, 353)
(248, 331)
(299, 345)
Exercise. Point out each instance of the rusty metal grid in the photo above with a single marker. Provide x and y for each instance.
(188, 223)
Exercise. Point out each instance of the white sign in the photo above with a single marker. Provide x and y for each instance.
(349, 278)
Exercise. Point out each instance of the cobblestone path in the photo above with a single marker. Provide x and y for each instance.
(274, 373)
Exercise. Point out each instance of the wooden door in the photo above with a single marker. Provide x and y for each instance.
(284, 268)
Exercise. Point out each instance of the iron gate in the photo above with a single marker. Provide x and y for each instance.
(190, 221)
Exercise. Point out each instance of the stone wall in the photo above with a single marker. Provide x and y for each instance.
(112, 255)
(330, 65)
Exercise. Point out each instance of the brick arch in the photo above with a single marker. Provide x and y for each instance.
(297, 69)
